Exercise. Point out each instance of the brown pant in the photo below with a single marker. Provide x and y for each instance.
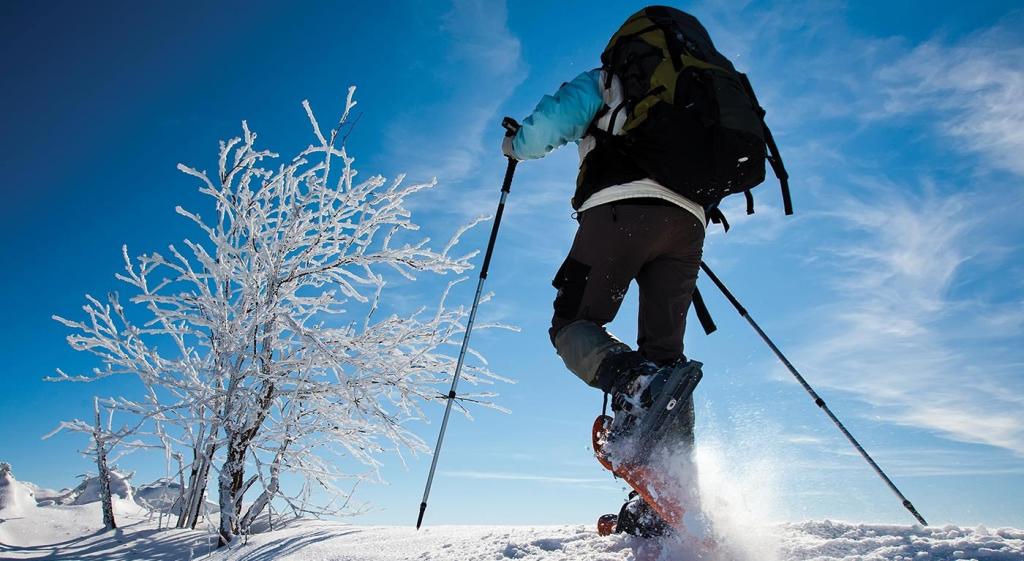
(658, 245)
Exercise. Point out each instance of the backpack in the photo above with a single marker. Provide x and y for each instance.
(692, 122)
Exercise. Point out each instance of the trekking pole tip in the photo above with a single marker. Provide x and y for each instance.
(419, 519)
(909, 506)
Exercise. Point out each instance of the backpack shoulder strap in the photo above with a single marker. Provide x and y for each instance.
(774, 158)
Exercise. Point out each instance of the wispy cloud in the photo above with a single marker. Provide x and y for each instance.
(481, 69)
(902, 339)
(929, 462)
(793, 52)
(973, 88)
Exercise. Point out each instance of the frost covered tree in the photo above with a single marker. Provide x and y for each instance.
(104, 441)
(259, 348)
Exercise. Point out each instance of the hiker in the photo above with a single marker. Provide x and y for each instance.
(631, 227)
(666, 128)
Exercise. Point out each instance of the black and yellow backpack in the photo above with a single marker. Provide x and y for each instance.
(692, 122)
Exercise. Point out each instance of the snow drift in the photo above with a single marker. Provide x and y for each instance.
(44, 496)
(16, 498)
(88, 491)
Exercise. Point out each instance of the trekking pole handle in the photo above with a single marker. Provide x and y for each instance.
(511, 126)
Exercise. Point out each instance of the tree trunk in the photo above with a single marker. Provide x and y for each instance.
(187, 498)
(199, 494)
(231, 483)
(231, 474)
(181, 491)
(102, 471)
(268, 493)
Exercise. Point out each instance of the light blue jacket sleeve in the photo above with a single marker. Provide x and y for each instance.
(560, 118)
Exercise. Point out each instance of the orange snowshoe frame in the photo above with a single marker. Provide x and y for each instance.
(644, 480)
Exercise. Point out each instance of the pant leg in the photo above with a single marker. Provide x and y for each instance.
(611, 246)
(666, 284)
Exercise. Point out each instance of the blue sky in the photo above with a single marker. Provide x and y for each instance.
(896, 288)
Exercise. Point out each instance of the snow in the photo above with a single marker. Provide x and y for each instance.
(326, 541)
(868, 542)
(75, 531)
(41, 523)
(807, 541)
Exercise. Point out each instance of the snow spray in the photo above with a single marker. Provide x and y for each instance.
(737, 482)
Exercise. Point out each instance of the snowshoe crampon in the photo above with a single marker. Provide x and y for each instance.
(652, 485)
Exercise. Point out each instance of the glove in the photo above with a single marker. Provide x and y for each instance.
(506, 148)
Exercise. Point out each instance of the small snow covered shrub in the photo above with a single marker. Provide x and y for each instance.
(245, 344)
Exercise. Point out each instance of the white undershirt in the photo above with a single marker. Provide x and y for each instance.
(643, 188)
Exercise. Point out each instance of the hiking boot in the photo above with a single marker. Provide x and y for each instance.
(633, 382)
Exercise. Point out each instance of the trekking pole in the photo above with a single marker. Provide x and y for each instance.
(511, 127)
(817, 399)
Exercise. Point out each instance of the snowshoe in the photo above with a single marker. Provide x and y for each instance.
(635, 442)
(635, 518)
